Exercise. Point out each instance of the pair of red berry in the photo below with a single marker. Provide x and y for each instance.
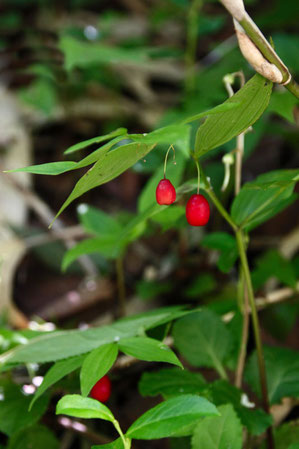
(197, 208)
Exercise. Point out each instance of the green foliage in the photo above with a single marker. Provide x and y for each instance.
(117, 444)
(171, 382)
(62, 344)
(282, 368)
(81, 407)
(273, 264)
(218, 129)
(203, 339)
(35, 437)
(256, 420)
(14, 414)
(86, 143)
(148, 349)
(165, 419)
(56, 372)
(283, 103)
(108, 166)
(96, 364)
(80, 54)
(263, 198)
(286, 436)
(219, 432)
(226, 245)
(203, 284)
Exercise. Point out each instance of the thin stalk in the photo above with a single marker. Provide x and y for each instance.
(220, 370)
(166, 157)
(245, 332)
(126, 441)
(256, 329)
(217, 203)
(121, 286)
(263, 45)
(198, 175)
(191, 38)
(293, 87)
(228, 81)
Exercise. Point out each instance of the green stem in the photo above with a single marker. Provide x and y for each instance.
(217, 203)
(256, 328)
(293, 87)
(126, 441)
(166, 157)
(191, 38)
(121, 286)
(244, 308)
(198, 175)
(258, 39)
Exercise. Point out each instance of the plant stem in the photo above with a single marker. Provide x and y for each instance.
(198, 175)
(217, 203)
(191, 38)
(126, 441)
(256, 329)
(121, 286)
(245, 332)
(166, 157)
(293, 87)
(263, 45)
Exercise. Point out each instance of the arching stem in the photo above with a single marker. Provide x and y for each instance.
(198, 175)
(166, 157)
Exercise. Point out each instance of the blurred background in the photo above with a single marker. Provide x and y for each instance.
(72, 70)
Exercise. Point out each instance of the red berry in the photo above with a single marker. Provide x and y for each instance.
(165, 192)
(197, 210)
(101, 390)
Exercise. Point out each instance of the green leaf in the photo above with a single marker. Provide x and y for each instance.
(96, 365)
(168, 134)
(80, 407)
(97, 221)
(203, 339)
(169, 218)
(108, 167)
(35, 437)
(283, 104)
(57, 168)
(282, 369)
(14, 414)
(171, 382)
(166, 418)
(41, 94)
(109, 246)
(218, 129)
(117, 444)
(219, 432)
(56, 372)
(272, 264)
(148, 349)
(286, 436)
(51, 168)
(227, 246)
(81, 54)
(217, 110)
(86, 143)
(256, 420)
(62, 344)
(151, 289)
(203, 284)
(263, 198)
